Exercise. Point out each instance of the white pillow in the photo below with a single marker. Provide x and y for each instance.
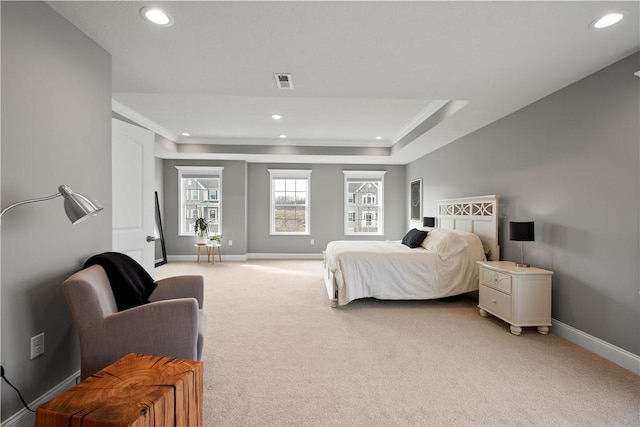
(444, 242)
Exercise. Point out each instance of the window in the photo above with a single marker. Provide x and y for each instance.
(363, 207)
(290, 201)
(368, 199)
(200, 196)
(213, 195)
(367, 219)
(192, 194)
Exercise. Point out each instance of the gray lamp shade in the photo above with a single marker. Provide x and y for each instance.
(429, 221)
(521, 231)
(77, 206)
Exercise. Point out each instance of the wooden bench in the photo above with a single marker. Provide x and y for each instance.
(137, 390)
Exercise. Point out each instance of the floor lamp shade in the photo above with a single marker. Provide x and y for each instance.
(428, 221)
(77, 207)
(522, 232)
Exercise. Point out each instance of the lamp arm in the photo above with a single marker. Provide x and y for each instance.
(24, 202)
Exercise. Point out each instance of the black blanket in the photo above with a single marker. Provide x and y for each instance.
(130, 283)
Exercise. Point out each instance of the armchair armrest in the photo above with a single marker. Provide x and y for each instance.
(166, 328)
(179, 287)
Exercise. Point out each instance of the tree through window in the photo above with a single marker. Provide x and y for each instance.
(290, 201)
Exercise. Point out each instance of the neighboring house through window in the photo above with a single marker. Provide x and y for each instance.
(363, 207)
(289, 213)
(200, 196)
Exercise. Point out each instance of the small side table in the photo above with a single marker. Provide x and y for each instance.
(210, 247)
(200, 247)
(521, 296)
(136, 390)
(211, 251)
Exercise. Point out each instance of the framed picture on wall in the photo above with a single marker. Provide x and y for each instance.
(416, 200)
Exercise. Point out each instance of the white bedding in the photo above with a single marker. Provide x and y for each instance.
(391, 270)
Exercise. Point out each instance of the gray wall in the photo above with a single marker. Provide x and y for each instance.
(246, 204)
(569, 162)
(327, 207)
(234, 207)
(56, 129)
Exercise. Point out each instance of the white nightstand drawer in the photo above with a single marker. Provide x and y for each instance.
(496, 280)
(495, 302)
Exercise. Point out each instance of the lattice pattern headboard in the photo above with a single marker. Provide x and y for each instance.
(478, 215)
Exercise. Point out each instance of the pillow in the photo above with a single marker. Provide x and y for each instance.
(444, 242)
(414, 238)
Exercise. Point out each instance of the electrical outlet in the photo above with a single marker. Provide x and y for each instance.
(37, 345)
(313, 242)
(230, 242)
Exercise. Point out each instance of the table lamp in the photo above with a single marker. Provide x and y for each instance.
(521, 232)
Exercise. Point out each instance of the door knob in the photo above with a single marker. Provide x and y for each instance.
(151, 239)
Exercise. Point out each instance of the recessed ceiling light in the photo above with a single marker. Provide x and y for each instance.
(607, 20)
(283, 136)
(276, 116)
(378, 137)
(186, 134)
(157, 16)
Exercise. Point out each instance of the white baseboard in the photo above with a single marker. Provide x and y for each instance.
(246, 257)
(194, 258)
(285, 256)
(614, 354)
(24, 417)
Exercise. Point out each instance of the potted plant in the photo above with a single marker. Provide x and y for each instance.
(200, 227)
(215, 238)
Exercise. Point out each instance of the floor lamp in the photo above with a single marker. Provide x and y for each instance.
(77, 206)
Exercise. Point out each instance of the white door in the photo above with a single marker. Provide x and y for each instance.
(132, 192)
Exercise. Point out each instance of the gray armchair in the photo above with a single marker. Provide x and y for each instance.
(172, 324)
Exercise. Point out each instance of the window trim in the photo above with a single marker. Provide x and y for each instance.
(289, 174)
(214, 171)
(364, 175)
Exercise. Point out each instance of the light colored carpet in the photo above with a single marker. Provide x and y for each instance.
(277, 354)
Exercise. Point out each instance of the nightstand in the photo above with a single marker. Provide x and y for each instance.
(521, 296)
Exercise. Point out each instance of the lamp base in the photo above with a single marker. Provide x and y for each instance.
(519, 264)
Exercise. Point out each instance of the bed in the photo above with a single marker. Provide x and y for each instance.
(444, 265)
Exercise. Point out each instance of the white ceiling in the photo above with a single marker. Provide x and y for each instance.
(360, 69)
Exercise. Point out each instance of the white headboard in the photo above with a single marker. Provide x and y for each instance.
(478, 215)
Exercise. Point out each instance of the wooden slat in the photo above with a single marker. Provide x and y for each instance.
(137, 390)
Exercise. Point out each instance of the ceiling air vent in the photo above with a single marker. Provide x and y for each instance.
(283, 81)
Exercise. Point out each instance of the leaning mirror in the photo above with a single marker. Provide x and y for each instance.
(161, 251)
